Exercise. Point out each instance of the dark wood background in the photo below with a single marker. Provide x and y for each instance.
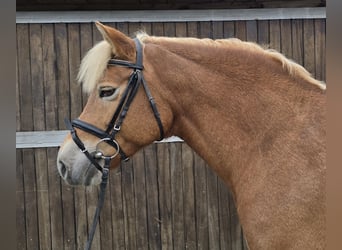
(166, 197)
(161, 4)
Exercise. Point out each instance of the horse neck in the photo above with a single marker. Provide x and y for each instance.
(225, 105)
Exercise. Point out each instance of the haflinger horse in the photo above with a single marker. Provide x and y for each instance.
(257, 118)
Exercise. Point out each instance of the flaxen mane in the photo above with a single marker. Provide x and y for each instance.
(94, 63)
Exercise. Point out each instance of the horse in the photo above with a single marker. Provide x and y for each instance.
(256, 117)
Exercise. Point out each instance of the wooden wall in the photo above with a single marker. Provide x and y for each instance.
(53, 5)
(166, 197)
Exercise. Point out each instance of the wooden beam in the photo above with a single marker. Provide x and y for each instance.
(47, 139)
(169, 15)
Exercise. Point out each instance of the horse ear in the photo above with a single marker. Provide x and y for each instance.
(122, 46)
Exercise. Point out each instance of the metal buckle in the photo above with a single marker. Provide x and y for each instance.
(99, 154)
(116, 128)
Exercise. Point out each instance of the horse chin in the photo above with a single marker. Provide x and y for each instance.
(78, 171)
(86, 175)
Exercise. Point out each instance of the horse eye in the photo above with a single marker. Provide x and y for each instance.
(108, 92)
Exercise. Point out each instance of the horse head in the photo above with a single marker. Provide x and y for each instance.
(117, 119)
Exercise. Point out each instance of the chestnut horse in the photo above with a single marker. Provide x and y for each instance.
(257, 118)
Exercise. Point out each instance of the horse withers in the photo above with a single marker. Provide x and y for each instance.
(257, 118)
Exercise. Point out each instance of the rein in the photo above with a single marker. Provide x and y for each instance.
(136, 79)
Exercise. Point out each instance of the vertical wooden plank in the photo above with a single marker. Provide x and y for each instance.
(32, 239)
(217, 30)
(20, 203)
(251, 31)
(62, 73)
(153, 222)
(86, 41)
(192, 28)
(240, 30)
(115, 186)
(205, 30)
(170, 29)
(157, 29)
(24, 77)
(177, 196)
(297, 41)
(129, 203)
(74, 62)
(165, 205)
(55, 198)
(263, 33)
(309, 46)
(189, 197)
(37, 80)
(275, 35)
(201, 203)
(286, 39)
(320, 48)
(17, 95)
(224, 218)
(228, 29)
(180, 30)
(49, 74)
(140, 186)
(236, 231)
(213, 220)
(43, 199)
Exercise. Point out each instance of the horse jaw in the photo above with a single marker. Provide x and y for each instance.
(74, 167)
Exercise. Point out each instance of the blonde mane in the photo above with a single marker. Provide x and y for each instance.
(94, 63)
(294, 69)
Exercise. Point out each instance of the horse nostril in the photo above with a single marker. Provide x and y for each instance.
(62, 169)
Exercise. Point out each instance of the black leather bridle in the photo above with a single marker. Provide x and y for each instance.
(108, 136)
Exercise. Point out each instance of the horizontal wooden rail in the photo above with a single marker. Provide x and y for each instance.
(169, 15)
(46, 139)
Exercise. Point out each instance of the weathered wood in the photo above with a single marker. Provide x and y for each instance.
(24, 76)
(319, 52)
(55, 198)
(177, 197)
(252, 31)
(213, 220)
(62, 76)
(275, 35)
(164, 195)
(297, 41)
(31, 222)
(189, 197)
(286, 39)
(309, 46)
(129, 200)
(263, 33)
(140, 201)
(20, 203)
(200, 176)
(153, 223)
(240, 30)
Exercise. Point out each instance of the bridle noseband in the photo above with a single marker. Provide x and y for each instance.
(114, 126)
(108, 136)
